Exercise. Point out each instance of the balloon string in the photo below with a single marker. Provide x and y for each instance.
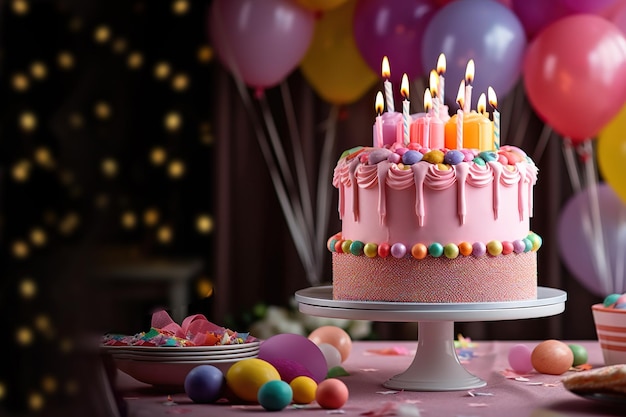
(298, 154)
(599, 239)
(570, 164)
(544, 137)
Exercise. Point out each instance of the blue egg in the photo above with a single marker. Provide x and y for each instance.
(488, 156)
(411, 157)
(275, 395)
(610, 299)
(203, 384)
(453, 157)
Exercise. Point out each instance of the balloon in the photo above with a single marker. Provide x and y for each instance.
(612, 153)
(320, 5)
(393, 28)
(618, 17)
(575, 74)
(333, 65)
(483, 30)
(537, 14)
(260, 41)
(576, 247)
(587, 6)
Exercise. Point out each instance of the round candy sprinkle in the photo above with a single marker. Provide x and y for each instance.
(356, 247)
(519, 246)
(303, 389)
(398, 250)
(434, 157)
(203, 384)
(330, 243)
(519, 359)
(465, 248)
(401, 151)
(345, 246)
(453, 157)
(331, 394)
(338, 246)
(503, 160)
(529, 245)
(507, 248)
(479, 249)
(580, 354)
(394, 158)
(479, 161)
(536, 241)
(620, 303)
(411, 157)
(451, 251)
(275, 395)
(488, 156)
(435, 249)
(610, 299)
(494, 247)
(378, 155)
(419, 251)
(370, 250)
(383, 250)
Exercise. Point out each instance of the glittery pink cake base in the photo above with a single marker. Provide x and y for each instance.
(435, 280)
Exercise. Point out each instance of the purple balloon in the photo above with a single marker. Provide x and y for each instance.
(260, 41)
(576, 247)
(393, 28)
(483, 30)
(537, 14)
(587, 6)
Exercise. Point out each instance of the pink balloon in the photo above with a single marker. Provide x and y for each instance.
(260, 41)
(576, 247)
(618, 17)
(575, 74)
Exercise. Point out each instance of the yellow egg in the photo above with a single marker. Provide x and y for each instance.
(552, 357)
(303, 388)
(245, 377)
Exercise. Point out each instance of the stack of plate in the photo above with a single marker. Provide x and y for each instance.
(168, 366)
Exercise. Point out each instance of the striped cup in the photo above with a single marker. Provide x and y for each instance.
(611, 330)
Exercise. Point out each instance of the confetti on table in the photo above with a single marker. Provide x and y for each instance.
(478, 405)
(479, 394)
(369, 370)
(391, 351)
(387, 392)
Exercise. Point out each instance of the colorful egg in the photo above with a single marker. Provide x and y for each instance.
(303, 389)
(247, 376)
(331, 354)
(610, 299)
(331, 394)
(334, 336)
(580, 354)
(552, 357)
(297, 348)
(275, 395)
(204, 383)
(519, 359)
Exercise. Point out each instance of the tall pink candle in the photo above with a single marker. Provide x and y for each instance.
(379, 121)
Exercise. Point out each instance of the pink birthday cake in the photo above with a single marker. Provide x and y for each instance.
(431, 217)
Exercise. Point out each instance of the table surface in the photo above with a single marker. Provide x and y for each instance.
(370, 365)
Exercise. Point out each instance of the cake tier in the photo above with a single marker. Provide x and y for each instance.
(435, 280)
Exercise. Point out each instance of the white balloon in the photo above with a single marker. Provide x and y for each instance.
(332, 355)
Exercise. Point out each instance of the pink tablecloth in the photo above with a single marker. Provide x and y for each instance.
(540, 395)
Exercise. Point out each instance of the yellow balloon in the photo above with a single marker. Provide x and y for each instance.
(333, 65)
(318, 5)
(612, 153)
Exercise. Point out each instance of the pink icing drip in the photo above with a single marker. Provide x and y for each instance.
(497, 173)
(520, 188)
(461, 178)
(383, 169)
(355, 189)
(419, 173)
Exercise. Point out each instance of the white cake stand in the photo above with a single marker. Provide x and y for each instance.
(436, 366)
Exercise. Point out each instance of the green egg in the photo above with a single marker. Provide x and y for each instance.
(580, 354)
(610, 299)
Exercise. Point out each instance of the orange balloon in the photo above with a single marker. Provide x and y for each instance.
(612, 153)
(333, 65)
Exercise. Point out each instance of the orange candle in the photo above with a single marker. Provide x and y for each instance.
(477, 132)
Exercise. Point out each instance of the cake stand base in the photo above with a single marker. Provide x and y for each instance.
(435, 366)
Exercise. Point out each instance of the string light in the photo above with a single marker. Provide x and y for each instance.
(165, 234)
(180, 7)
(49, 384)
(20, 7)
(28, 121)
(129, 220)
(204, 224)
(21, 171)
(20, 249)
(119, 45)
(38, 237)
(38, 70)
(180, 82)
(36, 401)
(172, 121)
(102, 110)
(102, 34)
(205, 54)
(151, 217)
(204, 287)
(158, 156)
(27, 288)
(176, 169)
(24, 336)
(162, 70)
(65, 60)
(20, 82)
(109, 167)
(135, 60)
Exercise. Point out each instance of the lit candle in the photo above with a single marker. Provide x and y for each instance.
(434, 91)
(469, 77)
(481, 106)
(404, 90)
(379, 121)
(428, 102)
(460, 98)
(493, 100)
(386, 72)
(441, 70)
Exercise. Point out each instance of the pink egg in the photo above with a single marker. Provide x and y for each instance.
(332, 355)
(519, 359)
(334, 336)
(296, 348)
(331, 394)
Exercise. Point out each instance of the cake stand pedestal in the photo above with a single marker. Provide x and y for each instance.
(436, 366)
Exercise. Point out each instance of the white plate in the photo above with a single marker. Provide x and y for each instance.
(180, 352)
(201, 349)
(166, 375)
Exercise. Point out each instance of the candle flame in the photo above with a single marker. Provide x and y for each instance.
(441, 64)
(404, 87)
(481, 106)
(493, 99)
(428, 100)
(460, 96)
(379, 105)
(469, 72)
(434, 83)
(386, 69)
